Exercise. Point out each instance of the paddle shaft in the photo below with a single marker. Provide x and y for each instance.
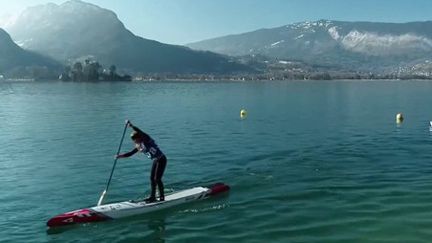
(115, 162)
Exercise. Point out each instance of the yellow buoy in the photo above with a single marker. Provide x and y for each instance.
(243, 114)
(399, 118)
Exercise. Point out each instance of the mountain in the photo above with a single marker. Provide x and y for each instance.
(76, 29)
(356, 45)
(18, 63)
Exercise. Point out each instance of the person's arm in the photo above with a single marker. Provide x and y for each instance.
(128, 154)
(136, 129)
(139, 131)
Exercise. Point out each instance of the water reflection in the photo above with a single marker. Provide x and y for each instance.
(158, 228)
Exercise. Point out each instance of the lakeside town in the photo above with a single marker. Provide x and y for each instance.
(92, 71)
(286, 70)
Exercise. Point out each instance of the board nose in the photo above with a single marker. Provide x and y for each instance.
(78, 216)
(218, 188)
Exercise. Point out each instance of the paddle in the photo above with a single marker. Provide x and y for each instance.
(115, 162)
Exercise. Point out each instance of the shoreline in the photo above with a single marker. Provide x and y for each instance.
(213, 80)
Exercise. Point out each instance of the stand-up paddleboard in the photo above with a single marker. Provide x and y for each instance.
(130, 208)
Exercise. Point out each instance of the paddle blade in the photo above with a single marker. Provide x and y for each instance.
(101, 198)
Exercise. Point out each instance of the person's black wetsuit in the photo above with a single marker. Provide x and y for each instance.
(149, 147)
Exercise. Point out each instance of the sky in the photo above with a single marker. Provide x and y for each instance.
(185, 21)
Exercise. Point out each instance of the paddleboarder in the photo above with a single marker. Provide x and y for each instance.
(145, 144)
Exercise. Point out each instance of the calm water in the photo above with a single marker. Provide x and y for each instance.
(313, 162)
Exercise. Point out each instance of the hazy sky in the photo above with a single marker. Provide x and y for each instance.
(184, 21)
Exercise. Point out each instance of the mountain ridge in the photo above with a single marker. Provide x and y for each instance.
(77, 29)
(331, 42)
(18, 63)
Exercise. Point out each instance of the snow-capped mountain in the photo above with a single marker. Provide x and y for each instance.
(332, 42)
(77, 29)
(18, 62)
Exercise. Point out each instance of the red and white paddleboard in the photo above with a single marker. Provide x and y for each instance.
(130, 208)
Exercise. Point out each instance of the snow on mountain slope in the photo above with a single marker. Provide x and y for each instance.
(331, 42)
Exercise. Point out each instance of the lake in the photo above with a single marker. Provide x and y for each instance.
(315, 161)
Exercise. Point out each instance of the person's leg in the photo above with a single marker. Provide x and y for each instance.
(160, 169)
(152, 197)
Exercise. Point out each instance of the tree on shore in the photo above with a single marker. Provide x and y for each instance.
(91, 71)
